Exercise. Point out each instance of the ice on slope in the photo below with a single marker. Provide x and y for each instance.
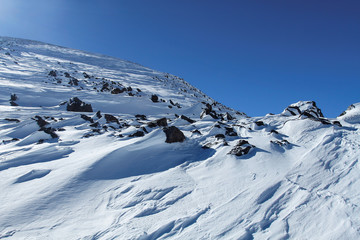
(96, 182)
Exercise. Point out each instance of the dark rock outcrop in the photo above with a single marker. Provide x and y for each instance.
(41, 122)
(228, 117)
(280, 143)
(208, 110)
(87, 118)
(220, 136)
(173, 134)
(76, 105)
(110, 118)
(154, 98)
(187, 119)
(140, 116)
(259, 123)
(50, 131)
(230, 132)
(137, 134)
(52, 73)
(117, 90)
(162, 122)
(242, 147)
(12, 120)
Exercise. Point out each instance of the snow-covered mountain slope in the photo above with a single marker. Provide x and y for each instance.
(93, 147)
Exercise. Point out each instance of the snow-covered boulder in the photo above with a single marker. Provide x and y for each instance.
(303, 108)
(76, 105)
(351, 114)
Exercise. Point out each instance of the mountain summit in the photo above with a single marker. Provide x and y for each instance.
(93, 147)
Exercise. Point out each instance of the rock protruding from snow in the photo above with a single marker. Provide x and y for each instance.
(162, 122)
(351, 114)
(76, 105)
(304, 108)
(242, 147)
(209, 111)
(173, 134)
(187, 119)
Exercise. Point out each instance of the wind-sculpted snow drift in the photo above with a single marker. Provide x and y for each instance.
(93, 147)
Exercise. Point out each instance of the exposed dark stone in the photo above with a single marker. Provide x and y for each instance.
(259, 123)
(74, 82)
(294, 110)
(337, 123)
(162, 122)
(129, 89)
(98, 114)
(197, 132)
(131, 94)
(228, 116)
(173, 134)
(230, 132)
(187, 119)
(50, 131)
(325, 121)
(76, 105)
(352, 106)
(12, 120)
(13, 97)
(14, 104)
(52, 73)
(220, 136)
(138, 90)
(41, 122)
(111, 118)
(243, 147)
(105, 87)
(117, 91)
(86, 75)
(140, 116)
(86, 118)
(60, 129)
(154, 98)
(280, 143)
(137, 134)
(274, 131)
(144, 129)
(209, 111)
(87, 135)
(175, 104)
(95, 125)
(10, 140)
(67, 75)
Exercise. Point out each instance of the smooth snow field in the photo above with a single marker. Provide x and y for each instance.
(113, 173)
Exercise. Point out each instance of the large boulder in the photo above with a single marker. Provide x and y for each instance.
(243, 147)
(162, 122)
(208, 110)
(304, 108)
(110, 118)
(173, 134)
(76, 105)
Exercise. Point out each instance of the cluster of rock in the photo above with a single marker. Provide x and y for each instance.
(308, 109)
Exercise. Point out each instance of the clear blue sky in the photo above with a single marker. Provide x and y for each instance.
(256, 56)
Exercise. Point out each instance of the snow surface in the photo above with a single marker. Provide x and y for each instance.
(300, 181)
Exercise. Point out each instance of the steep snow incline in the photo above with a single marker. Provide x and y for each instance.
(113, 174)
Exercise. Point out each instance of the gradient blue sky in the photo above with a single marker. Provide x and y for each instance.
(256, 56)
